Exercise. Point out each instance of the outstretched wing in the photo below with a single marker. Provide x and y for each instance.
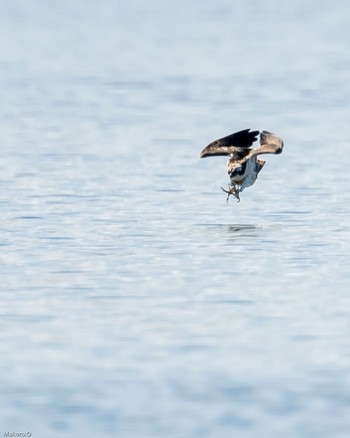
(269, 144)
(234, 144)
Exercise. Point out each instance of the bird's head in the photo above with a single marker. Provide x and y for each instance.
(238, 170)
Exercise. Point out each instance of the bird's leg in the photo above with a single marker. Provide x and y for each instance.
(229, 192)
(233, 190)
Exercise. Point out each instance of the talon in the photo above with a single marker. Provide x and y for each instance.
(229, 192)
(232, 191)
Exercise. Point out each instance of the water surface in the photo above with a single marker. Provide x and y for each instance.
(135, 302)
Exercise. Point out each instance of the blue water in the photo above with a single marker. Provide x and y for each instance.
(135, 302)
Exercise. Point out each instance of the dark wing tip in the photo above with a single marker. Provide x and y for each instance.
(243, 139)
(224, 145)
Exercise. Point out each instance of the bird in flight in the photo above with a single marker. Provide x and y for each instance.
(243, 165)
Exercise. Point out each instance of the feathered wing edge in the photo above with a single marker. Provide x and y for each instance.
(232, 144)
(271, 139)
(269, 144)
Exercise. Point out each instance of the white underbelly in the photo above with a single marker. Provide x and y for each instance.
(251, 173)
(248, 173)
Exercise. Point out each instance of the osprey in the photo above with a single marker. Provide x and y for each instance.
(243, 166)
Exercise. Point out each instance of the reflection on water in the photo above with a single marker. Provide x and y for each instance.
(135, 301)
(244, 229)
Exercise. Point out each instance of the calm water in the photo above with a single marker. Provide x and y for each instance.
(135, 302)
